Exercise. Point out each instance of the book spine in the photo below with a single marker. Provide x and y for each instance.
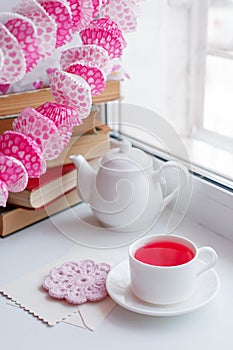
(14, 103)
(91, 146)
(16, 219)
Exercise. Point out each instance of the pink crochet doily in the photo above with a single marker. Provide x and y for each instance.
(78, 282)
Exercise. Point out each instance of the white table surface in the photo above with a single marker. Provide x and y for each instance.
(41, 243)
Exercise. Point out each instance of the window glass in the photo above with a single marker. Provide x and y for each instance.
(181, 67)
(218, 105)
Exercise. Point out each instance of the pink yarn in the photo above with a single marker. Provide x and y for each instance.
(93, 76)
(13, 173)
(3, 193)
(23, 148)
(78, 282)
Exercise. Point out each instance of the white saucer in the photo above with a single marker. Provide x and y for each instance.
(118, 287)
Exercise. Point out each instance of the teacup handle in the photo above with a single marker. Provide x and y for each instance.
(185, 179)
(212, 261)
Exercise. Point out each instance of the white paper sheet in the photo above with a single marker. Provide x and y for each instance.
(27, 292)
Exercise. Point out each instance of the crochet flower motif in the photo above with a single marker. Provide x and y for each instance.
(78, 282)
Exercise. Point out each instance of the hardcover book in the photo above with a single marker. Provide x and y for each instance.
(41, 191)
(13, 218)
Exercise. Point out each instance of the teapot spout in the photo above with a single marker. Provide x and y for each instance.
(85, 178)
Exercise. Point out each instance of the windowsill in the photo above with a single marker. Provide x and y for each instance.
(204, 158)
(211, 204)
(211, 161)
(121, 327)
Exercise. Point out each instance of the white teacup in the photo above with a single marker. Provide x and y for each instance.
(153, 281)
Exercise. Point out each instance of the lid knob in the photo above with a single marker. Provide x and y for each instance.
(125, 146)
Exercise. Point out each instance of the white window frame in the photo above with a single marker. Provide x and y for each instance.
(185, 101)
(197, 64)
(193, 62)
(198, 50)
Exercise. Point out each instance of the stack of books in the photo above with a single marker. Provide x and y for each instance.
(55, 190)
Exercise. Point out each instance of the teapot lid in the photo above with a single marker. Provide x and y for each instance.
(125, 157)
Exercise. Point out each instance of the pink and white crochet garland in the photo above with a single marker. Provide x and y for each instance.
(30, 34)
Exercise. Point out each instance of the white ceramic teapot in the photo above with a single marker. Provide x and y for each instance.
(125, 194)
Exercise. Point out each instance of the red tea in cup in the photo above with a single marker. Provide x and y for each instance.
(164, 253)
(164, 269)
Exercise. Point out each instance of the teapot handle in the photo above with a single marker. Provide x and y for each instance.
(183, 180)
